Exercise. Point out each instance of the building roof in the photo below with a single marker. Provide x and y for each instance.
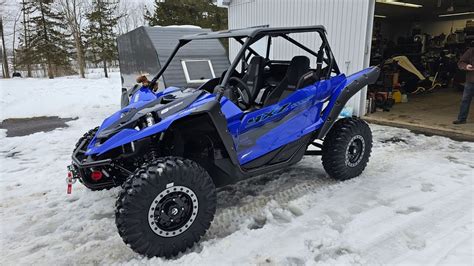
(252, 32)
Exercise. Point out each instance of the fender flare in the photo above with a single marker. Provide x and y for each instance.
(349, 90)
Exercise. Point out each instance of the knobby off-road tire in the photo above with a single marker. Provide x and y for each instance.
(89, 135)
(165, 207)
(346, 148)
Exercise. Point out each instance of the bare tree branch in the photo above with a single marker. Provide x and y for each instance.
(74, 12)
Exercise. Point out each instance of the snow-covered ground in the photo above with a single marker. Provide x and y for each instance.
(412, 205)
(63, 97)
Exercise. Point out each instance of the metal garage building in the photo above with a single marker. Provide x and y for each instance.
(350, 38)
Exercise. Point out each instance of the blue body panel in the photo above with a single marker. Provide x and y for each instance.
(254, 133)
(293, 117)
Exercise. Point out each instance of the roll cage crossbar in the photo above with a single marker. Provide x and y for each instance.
(252, 35)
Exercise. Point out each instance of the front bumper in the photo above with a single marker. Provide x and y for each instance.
(82, 166)
(80, 160)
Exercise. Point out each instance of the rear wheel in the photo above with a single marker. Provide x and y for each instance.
(347, 148)
(165, 207)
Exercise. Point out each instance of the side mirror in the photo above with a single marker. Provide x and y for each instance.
(125, 99)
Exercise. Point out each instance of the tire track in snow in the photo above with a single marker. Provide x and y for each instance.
(400, 235)
(282, 188)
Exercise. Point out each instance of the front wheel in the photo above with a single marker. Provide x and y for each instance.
(165, 207)
(346, 148)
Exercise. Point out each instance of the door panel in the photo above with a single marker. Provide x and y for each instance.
(267, 129)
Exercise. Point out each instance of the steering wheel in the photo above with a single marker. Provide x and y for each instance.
(240, 87)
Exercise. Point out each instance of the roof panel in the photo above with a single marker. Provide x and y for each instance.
(252, 32)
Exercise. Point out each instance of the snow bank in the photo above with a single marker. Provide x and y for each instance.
(412, 205)
(63, 97)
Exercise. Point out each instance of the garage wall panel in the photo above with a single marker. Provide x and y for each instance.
(346, 22)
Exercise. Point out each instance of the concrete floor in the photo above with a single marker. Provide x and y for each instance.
(431, 113)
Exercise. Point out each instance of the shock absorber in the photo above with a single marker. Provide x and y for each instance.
(153, 152)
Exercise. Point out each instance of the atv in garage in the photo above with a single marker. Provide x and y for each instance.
(169, 150)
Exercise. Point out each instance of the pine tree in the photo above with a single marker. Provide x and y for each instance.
(201, 13)
(45, 42)
(100, 32)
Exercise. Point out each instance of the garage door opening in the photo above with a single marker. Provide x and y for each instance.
(418, 45)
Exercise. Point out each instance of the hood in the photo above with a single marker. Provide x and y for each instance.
(133, 116)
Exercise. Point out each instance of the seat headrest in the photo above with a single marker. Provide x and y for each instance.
(255, 65)
(254, 69)
(256, 60)
(307, 79)
(299, 66)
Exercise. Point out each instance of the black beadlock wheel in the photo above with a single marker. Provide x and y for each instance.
(165, 207)
(347, 148)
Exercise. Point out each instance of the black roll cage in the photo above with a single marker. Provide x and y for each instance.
(252, 35)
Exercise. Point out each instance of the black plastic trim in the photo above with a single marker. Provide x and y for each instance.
(232, 173)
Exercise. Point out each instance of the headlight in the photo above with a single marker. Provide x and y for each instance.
(150, 120)
(147, 120)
